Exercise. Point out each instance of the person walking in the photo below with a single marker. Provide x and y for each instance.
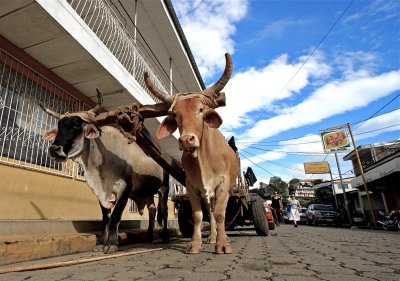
(294, 214)
(277, 208)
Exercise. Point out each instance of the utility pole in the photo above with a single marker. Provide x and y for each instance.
(362, 175)
(333, 189)
(344, 191)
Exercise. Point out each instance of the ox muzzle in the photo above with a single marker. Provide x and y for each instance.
(57, 152)
(189, 143)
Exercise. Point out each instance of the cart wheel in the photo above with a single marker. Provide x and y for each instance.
(260, 221)
(185, 220)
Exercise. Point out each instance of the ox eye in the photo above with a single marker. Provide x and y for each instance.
(201, 110)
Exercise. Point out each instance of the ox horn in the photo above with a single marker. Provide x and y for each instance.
(97, 108)
(221, 83)
(156, 92)
(50, 112)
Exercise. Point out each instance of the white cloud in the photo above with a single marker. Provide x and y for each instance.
(332, 99)
(209, 26)
(389, 122)
(254, 89)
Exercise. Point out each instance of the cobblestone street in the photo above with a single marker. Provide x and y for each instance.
(303, 253)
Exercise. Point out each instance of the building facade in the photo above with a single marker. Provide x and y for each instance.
(381, 166)
(57, 52)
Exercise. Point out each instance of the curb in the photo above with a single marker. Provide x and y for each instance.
(27, 248)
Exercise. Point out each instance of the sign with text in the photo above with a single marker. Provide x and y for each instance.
(316, 167)
(335, 140)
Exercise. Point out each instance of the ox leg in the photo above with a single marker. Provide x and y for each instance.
(152, 217)
(194, 247)
(162, 212)
(102, 240)
(223, 244)
(213, 227)
(111, 246)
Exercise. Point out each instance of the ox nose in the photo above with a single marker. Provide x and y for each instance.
(187, 141)
(56, 150)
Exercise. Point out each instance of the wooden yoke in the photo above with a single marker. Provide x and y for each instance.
(129, 118)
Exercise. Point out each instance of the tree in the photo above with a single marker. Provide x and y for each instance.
(323, 195)
(294, 182)
(278, 184)
(318, 181)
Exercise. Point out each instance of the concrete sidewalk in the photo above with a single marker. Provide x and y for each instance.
(15, 249)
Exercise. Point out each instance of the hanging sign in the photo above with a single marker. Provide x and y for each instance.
(316, 167)
(336, 140)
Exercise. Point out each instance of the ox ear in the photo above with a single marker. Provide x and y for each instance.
(212, 118)
(91, 132)
(50, 134)
(166, 128)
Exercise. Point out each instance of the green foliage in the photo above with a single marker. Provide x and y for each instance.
(323, 195)
(278, 184)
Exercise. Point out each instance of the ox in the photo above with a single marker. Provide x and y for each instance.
(211, 166)
(115, 169)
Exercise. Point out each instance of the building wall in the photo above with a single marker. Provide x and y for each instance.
(33, 195)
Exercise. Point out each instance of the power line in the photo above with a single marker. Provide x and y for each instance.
(275, 163)
(319, 141)
(256, 164)
(377, 111)
(309, 56)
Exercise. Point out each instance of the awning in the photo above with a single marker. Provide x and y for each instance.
(383, 170)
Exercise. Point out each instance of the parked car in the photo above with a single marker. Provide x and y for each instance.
(303, 215)
(269, 216)
(320, 213)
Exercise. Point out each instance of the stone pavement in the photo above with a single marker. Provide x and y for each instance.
(303, 253)
(328, 253)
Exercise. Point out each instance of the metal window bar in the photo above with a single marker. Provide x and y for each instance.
(132, 206)
(102, 20)
(22, 121)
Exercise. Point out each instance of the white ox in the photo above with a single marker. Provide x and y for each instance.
(114, 169)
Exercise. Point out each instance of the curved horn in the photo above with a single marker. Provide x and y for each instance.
(50, 112)
(156, 92)
(220, 84)
(97, 108)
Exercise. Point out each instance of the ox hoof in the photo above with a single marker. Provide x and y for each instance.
(212, 239)
(191, 249)
(99, 248)
(225, 249)
(110, 249)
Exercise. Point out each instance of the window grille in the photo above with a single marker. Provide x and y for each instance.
(132, 207)
(23, 122)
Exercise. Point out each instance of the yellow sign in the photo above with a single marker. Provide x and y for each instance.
(316, 167)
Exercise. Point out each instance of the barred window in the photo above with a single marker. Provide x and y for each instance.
(132, 207)
(23, 122)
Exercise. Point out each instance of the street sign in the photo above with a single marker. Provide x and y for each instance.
(317, 167)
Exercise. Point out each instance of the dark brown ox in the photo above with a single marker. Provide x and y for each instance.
(210, 165)
(115, 169)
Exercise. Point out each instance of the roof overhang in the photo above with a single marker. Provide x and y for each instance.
(381, 171)
(32, 28)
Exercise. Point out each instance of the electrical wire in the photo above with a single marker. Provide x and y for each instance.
(377, 111)
(309, 56)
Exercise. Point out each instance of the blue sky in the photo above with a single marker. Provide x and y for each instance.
(300, 67)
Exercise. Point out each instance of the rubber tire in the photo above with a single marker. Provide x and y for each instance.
(185, 222)
(259, 219)
(314, 222)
